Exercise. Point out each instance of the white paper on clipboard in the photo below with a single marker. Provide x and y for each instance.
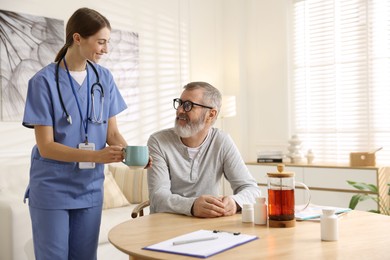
(202, 249)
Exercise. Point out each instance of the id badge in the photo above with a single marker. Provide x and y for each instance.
(87, 165)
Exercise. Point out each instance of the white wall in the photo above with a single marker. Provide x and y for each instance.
(240, 46)
(267, 76)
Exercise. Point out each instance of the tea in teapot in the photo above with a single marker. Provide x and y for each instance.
(281, 198)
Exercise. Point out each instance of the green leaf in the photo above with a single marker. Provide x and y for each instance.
(363, 186)
(355, 200)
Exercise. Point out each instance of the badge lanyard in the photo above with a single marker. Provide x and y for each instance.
(84, 122)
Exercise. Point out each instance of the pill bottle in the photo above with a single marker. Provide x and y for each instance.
(247, 213)
(329, 225)
(260, 211)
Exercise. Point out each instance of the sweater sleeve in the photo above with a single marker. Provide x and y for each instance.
(244, 186)
(159, 181)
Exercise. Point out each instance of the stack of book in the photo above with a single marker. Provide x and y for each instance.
(270, 156)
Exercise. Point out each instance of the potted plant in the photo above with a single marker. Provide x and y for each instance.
(364, 195)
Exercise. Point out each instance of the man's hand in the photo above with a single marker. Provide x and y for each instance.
(207, 206)
(229, 205)
(150, 162)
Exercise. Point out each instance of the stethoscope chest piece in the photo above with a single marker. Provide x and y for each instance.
(69, 119)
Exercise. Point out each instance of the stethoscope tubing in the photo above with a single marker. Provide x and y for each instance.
(94, 118)
(93, 88)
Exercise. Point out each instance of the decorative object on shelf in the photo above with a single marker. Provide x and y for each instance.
(294, 149)
(228, 108)
(363, 158)
(270, 156)
(310, 156)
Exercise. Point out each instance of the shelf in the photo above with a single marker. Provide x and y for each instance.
(317, 165)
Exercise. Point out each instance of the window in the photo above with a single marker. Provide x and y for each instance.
(341, 77)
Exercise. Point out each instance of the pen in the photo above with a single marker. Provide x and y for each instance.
(181, 242)
(234, 233)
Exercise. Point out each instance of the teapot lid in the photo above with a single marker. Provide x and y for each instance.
(281, 173)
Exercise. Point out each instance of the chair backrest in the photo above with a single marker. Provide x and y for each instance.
(132, 182)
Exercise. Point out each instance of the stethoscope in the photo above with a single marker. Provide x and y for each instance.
(95, 87)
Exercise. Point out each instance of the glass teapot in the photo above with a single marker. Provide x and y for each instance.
(281, 198)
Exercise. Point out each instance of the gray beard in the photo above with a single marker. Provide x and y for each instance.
(191, 129)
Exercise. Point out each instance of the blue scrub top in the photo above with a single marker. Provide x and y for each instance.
(62, 185)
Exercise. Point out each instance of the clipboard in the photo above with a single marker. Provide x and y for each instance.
(221, 242)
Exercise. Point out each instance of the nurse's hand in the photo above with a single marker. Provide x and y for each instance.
(110, 154)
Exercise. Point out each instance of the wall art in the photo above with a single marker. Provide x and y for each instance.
(123, 62)
(27, 44)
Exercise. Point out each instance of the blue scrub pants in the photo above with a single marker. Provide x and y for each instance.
(66, 234)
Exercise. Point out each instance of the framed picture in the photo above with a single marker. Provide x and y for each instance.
(27, 44)
(123, 62)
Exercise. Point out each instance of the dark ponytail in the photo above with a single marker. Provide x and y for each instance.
(61, 53)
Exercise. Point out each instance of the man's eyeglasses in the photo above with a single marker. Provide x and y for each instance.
(187, 105)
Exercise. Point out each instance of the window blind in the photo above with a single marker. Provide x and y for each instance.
(340, 93)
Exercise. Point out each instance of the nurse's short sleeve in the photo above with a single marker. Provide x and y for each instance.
(117, 103)
(39, 107)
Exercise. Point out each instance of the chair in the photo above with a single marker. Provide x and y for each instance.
(133, 183)
(139, 209)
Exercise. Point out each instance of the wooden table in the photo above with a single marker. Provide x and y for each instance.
(362, 235)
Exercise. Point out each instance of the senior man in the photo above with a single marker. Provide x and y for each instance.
(190, 159)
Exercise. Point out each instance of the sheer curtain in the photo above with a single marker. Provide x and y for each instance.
(340, 91)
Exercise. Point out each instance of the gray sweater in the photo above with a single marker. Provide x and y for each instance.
(175, 180)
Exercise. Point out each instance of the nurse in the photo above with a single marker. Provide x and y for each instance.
(74, 138)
